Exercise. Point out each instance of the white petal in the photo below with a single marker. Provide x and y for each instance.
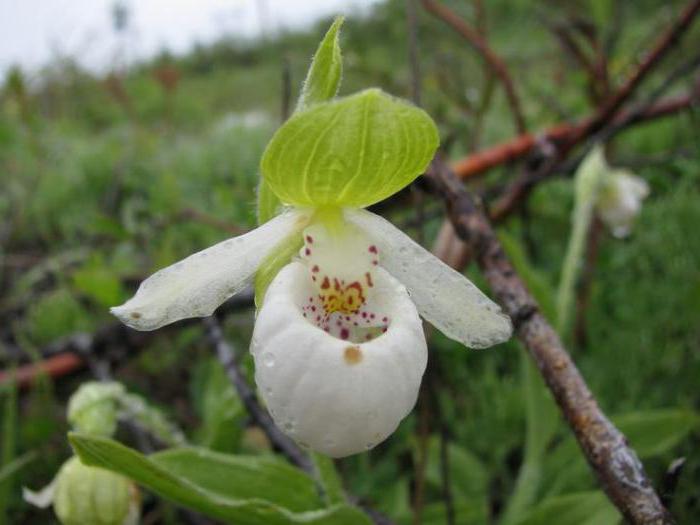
(332, 395)
(197, 285)
(42, 498)
(442, 295)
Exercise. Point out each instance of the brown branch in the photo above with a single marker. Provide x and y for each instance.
(258, 414)
(494, 61)
(57, 365)
(71, 354)
(615, 464)
(665, 43)
(522, 145)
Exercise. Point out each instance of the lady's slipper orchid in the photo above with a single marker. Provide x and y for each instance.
(338, 342)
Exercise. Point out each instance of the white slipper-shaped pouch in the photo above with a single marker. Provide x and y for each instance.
(338, 370)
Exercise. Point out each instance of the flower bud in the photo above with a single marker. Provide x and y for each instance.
(93, 408)
(620, 201)
(94, 496)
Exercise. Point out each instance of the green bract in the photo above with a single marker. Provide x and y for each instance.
(321, 84)
(351, 152)
(323, 79)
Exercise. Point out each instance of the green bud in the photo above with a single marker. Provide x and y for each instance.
(94, 496)
(93, 409)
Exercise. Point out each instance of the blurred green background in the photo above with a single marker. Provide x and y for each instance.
(106, 178)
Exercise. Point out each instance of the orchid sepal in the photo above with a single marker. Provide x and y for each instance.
(197, 285)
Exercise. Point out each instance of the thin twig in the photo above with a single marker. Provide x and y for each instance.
(286, 91)
(258, 414)
(665, 43)
(494, 61)
(519, 147)
(412, 29)
(68, 354)
(615, 464)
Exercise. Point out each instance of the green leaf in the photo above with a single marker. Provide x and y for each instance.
(465, 513)
(234, 489)
(468, 477)
(352, 152)
(328, 479)
(323, 78)
(218, 406)
(242, 477)
(583, 508)
(656, 432)
(540, 423)
(99, 282)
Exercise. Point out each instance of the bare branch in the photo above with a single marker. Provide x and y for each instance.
(522, 145)
(615, 464)
(494, 61)
(258, 414)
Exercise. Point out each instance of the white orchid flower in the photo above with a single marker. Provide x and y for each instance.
(620, 201)
(338, 342)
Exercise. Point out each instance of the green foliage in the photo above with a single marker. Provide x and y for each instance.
(329, 479)
(234, 489)
(55, 315)
(94, 193)
(8, 449)
(585, 508)
(351, 152)
(220, 409)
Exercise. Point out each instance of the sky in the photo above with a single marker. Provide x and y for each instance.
(32, 32)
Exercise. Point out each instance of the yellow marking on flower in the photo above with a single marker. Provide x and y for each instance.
(337, 297)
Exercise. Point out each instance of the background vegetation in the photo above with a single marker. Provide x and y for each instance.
(106, 178)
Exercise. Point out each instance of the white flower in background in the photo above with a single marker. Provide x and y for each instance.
(338, 342)
(620, 200)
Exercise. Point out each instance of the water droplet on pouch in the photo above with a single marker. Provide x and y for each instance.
(268, 359)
